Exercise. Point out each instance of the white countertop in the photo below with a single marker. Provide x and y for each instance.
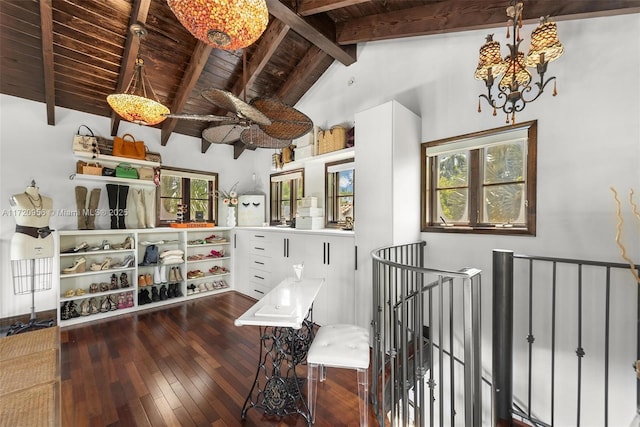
(287, 229)
(286, 305)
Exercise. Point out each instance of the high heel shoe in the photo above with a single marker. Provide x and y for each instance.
(124, 280)
(84, 308)
(106, 264)
(93, 306)
(127, 244)
(114, 282)
(126, 263)
(81, 247)
(79, 266)
(105, 304)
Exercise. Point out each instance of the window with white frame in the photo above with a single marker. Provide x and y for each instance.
(191, 191)
(339, 192)
(483, 182)
(287, 188)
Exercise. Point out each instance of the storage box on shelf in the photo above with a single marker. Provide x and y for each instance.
(208, 259)
(160, 267)
(96, 273)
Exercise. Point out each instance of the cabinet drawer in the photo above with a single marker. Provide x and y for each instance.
(260, 245)
(261, 263)
(260, 277)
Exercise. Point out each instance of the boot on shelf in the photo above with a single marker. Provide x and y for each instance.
(139, 196)
(150, 207)
(81, 200)
(112, 193)
(94, 201)
(123, 192)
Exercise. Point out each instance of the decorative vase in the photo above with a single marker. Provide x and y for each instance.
(231, 216)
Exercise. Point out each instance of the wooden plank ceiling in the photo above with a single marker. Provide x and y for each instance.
(73, 53)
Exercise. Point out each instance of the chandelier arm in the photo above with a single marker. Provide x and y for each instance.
(540, 85)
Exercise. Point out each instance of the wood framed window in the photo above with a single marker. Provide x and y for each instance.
(193, 189)
(287, 188)
(483, 182)
(339, 192)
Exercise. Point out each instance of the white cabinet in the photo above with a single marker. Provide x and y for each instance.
(387, 189)
(264, 257)
(116, 279)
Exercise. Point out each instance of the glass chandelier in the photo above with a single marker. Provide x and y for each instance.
(139, 103)
(224, 24)
(515, 84)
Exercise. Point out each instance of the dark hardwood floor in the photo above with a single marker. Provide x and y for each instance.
(180, 365)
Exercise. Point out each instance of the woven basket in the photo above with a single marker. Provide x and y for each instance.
(332, 139)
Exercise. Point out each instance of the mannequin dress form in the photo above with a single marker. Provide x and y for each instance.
(32, 250)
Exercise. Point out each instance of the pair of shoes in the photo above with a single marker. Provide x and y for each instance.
(70, 293)
(215, 254)
(104, 286)
(145, 280)
(114, 282)
(175, 275)
(191, 289)
(114, 302)
(143, 297)
(155, 295)
(127, 244)
(194, 274)
(93, 288)
(79, 266)
(81, 247)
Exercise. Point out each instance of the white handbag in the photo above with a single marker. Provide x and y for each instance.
(86, 143)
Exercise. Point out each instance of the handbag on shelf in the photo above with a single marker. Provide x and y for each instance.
(108, 171)
(85, 143)
(105, 146)
(125, 170)
(131, 149)
(92, 169)
(146, 172)
(80, 165)
(152, 156)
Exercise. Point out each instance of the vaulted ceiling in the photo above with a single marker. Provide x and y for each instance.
(73, 53)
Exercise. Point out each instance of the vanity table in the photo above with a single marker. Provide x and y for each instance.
(284, 316)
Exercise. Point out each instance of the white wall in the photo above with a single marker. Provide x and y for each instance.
(588, 141)
(30, 149)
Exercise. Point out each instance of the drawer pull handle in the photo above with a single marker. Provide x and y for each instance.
(260, 292)
(260, 249)
(259, 235)
(258, 262)
(258, 277)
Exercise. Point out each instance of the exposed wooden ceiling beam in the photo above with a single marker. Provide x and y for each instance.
(271, 39)
(189, 79)
(46, 27)
(462, 15)
(308, 65)
(139, 13)
(313, 7)
(300, 26)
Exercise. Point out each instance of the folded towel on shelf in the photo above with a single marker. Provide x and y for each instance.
(173, 252)
(175, 259)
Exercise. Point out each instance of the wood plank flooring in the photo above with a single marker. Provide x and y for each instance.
(180, 365)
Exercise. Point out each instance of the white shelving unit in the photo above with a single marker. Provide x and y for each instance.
(112, 161)
(191, 241)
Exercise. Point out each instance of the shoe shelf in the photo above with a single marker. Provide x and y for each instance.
(95, 272)
(211, 246)
(111, 180)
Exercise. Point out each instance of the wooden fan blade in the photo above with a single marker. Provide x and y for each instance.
(286, 121)
(230, 102)
(202, 117)
(223, 134)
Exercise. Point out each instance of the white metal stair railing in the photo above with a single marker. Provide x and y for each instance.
(425, 320)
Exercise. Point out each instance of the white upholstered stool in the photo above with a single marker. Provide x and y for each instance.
(339, 346)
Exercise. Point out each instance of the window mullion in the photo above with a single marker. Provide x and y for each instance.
(475, 187)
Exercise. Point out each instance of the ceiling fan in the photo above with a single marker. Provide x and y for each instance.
(263, 122)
